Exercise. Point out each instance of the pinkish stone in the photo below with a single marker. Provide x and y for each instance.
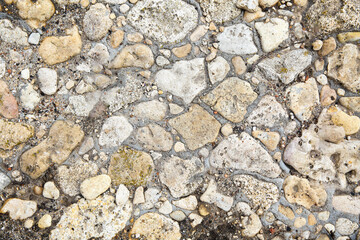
(8, 103)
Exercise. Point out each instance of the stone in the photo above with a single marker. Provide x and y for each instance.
(249, 16)
(331, 133)
(231, 99)
(155, 19)
(181, 176)
(115, 131)
(319, 64)
(35, 13)
(322, 79)
(162, 61)
(248, 5)
(329, 45)
(212, 196)
(187, 203)
(178, 215)
(62, 139)
(252, 225)
(239, 65)
(272, 33)
(286, 211)
(197, 127)
(48, 80)
(267, 3)
(227, 129)
(116, 38)
(286, 67)
(203, 210)
(179, 147)
(19, 209)
(82, 105)
(70, 177)
(3, 68)
(155, 226)
(324, 216)
(182, 51)
(237, 39)
(352, 103)
(14, 134)
(97, 22)
(28, 223)
(86, 146)
(244, 153)
(45, 221)
(8, 103)
(327, 95)
(139, 196)
(29, 97)
(4, 181)
(92, 187)
(135, 37)
(186, 79)
(130, 167)
(345, 226)
(299, 222)
(138, 55)
(268, 113)
(301, 3)
(346, 204)
(34, 38)
(154, 137)
(152, 110)
(166, 208)
(82, 220)
(348, 37)
(260, 194)
(300, 191)
(317, 45)
(220, 11)
(99, 55)
(195, 219)
(344, 66)
(55, 50)
(303, 98)
(122, 195)
(152, 196)
(218, 69)
(269, 139)
(11, 34)
(50, 191)
(311, 220)
(243, 208)
(351, 124)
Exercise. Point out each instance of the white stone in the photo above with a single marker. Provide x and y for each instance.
(347, 204)
(166, 208)
(91, 188)
(19, 209)
(45, 221)
(28, 223)
(86, 146)
(243, 208)
(139, 197)
(179, 147)
(51, 191)
(152, 110)
(227, 129)
(114, 131)
(11, 34)
(346, 227)
(97, 22)
(196, 219)
(29, 97)
(48, 80)
(152, 196)
(188, 203)
(178, 215)
(218, 69)
(34, 38)
(322, 79)
(122, 195)
(124, 8)
(199, 32)
(175, 109)
(212, 196)
(25, 74)
(272, 33)
(162, 61)
(248, 5)
(81, 105)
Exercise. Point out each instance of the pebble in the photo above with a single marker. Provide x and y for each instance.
(34, 38)
(175, 109)
(351, 124)
(182, 51)
(97, 22)
(299, 222)
(327, 95)
(178, 215)
(122, 195)
(116, 38)
(239, 65)
(212, 196)
(48, 80)
(29, 223)
(317, 45)
(8, 103)
(50, 191)
(324, 216)
(269, 139)
(166, 208)
(154, 137)
(18, 208)
(45, 221)
(348, 37)
(346, 204)
(36, 14)
(138, 55)
(227, 129)
(329, 45)
(275, 27)
(11, 34)
(139, 197)
(91, 188)
(179, 147)
(114, 131)
(322, 79)
(286, 211)
(199, 32)
(25, 74)
(188, 203)
(218, 69)
(196, 219)
(345, 226)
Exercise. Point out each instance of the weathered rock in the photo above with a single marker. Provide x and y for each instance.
(155, 19)
(212, 196)
(122, 195)
(245, 153)
(269, 139)
(19, 209)
(116, 38)
(352, 103)
(186, 79)
(11, 34)
(197, 127)
(29, 97)
(13, 134)
(130, 167)
(328, 46)
(92, 187)
(97, 22)
(272, 33)
(251, 16)
(60, 49)
(231, 99)
(154, 226)
(348, 37)
(345, 226)
(154, 137)
(347, 204)
(286, 211)
(239, 65)
(351, 124)
(218, 69)
(86, 145)
(237, 39)
(50, 191)
(115, 131)
(252, 225)
(62, 139)
(82, 105)
(181, 176)
(327, 95)
(152, 110)
(267, 3)
(303, 98)
(4, 181)
(82, 220)
(188, 203)
(8, 103)
(220, 11)
(35, 13)
(344, 66)
(198, 33)
(138, 55)
(286, 67)
(48, 80)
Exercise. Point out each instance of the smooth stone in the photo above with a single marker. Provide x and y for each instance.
(348, 37)
(351, 124)
(14, 134)
(50, 191)
(19, 209)
(187, 203)
(272, 33)
(328, 46)
(92, 187)
(8, 103)
(122, 195)
(138, 55)
(48, 80)
(218, 69)
(345, 226)
(45, 221)
(97, 22)
(178, 215)
(154, 137)
(182, 51)
(239, 65)
(153, 110)
(269, 139)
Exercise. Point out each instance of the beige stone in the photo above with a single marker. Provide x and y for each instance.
(36, 13)
(8, 103)
(319, 64)
(269, 139)
(348, 37)
(267, 3)
(45, 221)
(13, 134)
(19, 209)
(60, 49)
(352, 103)
(116, 38)
(286, 211)
(311, 220)
(329, 45)
(327, 95)
(249, 16)
(351, 124)
(92, 187)
(154, 137)
(138, 55)
(299, 222)
(317, 45)
(182, 51)
(135, 37)
(301, 3)
(239, 65)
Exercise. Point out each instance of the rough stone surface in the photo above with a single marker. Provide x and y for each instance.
(35, 13)
(212, 196)
(114, 131)
(220, 11)
(188, 203)
(138, 55)
(352, 103)
(92, 187)
(97, 22)
(51, 191)
(4, 181)
(29, 97)
(347, 204)
(11, 34)
(48, 80)
(8, 103)
(345, 226)
(153, 110)
(218, 69)
(13, 134)
(19, 209)
(154, 137)
(273, 33)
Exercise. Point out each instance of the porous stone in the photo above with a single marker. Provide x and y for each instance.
(14, 134)
(154, 137)
(29, 97)
(212, 196)
(286, 211)
(352, 103)
(345, 226)
(153, 110)
(138, 55)
(19, 209)
(116, 38)
(239, 65)
(8, 103)
(328, 46)
(97, 22)
(220, 11)
(48, 80)
(114, 131)
(272, 33)
(92, 187)
(35, 13)
(50, 191)
(4, 181)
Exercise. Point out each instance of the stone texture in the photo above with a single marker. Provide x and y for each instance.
(182, 51)
(45, 221)
(212, 196)
(50, 191)
(138, 55)
(186, 79)
(220, 11)
(181, 176)
(92, 187)
(244, 153)
(11, 34)
(122, 195)
(154, 137)
(62, 139)
(130, 167)
(269, 139)
(48, 80)
(8, 103)
(348, 37)
(187, 203)
(352, 103)
(155, 19)
(272, 33)
(347, 204)
(197, 127)
(231, 99)
(14, 134)
(35, 13)
(248, 5)
(29, 97)
(252, 225)
(82, 105)
(345, 226)
(239, 65)
(152, 110)
(351, 124)
(4, 181)
(218, 69)
(19, 209)
(267, 3)
(328, 46)
(327, 95)
(115, 131)
(286, 211)
(97, 22)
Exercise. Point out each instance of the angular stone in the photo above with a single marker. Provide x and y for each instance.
(11, 34)
(286, 67)
(82, 105)
(220, 11)
(154, 137)
(122, 195)
(239, 65)
(198, 33)
(92, 187)
(188, 203)
(352, 103)
(35, 13)
(85, 219)
(231, 99)
(212, 196)
(155, 19)
(62, 139)
(286, 211)
(351, 124)
(272, 33)
(252, 225)
(327, 95)
(13, 134)
(237, 39)
(138, 55)
(153, 110)
(60, 49)
(4, 181)
(130, 167)
(48, 80)
(19, 209)
(29, 97)
(97, 22)
(347, 204)
(197, 127)
(244, 153)
(329, 45)
(181, 175)
(269, 139)
(186, 79)
(218, 69)
(248, 5)
(115, 131)
(8, 103)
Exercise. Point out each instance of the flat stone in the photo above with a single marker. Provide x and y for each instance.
(345, 226)
(130, 167)
(82, 220)
(19, 209)
(303, 98)
(82, 105)
(60, 49)
(14, 134)
(35, 14)
(138, 55)
(197, 127)
(29, 97)
(154, 137)
(62, 139)
(352, 103)
(97, 22)
(86, 145)
(115, 131)
(155, 226)
(286, 67)
(50, 191)
(272, 33)
(186, 79)
(187, 203)
(347, 204)
(212, 196)
(286, 211)
(244, 153)
(181, 176)
(8, 103)
(45, 221)
(92, 187)
(218, 69)
(239, 65)
(152, 110)
(182, 51)
(11, 34)
(269, 139)
(251, 16)
(268, 113)
(267, 3)
(198, 33)
(237, 39)
(231, 98)
(48, 80)
(155, 19)
(220, 11)
(4, 181)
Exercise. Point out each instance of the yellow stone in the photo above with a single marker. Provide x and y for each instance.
(311, 220)
(182, 51)
(348, 37)
(351, 124)
(286, 211)
(269, 139)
